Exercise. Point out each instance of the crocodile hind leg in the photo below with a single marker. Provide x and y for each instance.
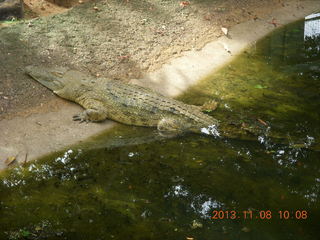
(168, 125)
(209, 106)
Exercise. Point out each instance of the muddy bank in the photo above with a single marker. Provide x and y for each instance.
(35, 122)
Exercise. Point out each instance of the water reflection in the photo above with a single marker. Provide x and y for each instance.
(179, 182)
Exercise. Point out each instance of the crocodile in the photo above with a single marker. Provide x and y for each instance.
(130, 104)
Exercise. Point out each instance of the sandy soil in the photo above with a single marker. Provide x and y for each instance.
(123, 40)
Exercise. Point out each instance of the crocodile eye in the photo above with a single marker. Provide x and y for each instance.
(58, 74)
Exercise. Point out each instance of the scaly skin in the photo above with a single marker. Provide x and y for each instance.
(125, 103)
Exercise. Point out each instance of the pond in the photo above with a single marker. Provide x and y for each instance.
(131, 183)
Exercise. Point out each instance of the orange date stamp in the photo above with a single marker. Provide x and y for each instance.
(260, 215)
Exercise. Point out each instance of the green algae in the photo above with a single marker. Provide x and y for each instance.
(276, 81)
(131, 183)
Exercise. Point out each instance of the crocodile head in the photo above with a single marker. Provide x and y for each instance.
(50, 78)
(68, 84)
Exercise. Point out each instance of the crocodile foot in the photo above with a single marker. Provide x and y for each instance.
(81, 117)
(209, 106)
(91, 115)
(168, 125)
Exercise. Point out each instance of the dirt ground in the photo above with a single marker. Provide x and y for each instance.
(122, 40)
(113, 38)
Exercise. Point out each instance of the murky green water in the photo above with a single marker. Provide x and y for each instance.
(133, 184)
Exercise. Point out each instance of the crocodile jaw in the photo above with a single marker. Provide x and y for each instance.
(52, 79)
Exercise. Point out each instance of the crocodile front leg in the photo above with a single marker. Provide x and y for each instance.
(90, 115)
(95, 112)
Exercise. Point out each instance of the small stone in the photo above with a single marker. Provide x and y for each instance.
(225, 46)
(184, 3)
(196, 224)
(225, 30)
(144, 21)
(245, 229)
(38, 228)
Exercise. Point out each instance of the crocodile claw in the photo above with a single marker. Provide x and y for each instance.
(80, 118)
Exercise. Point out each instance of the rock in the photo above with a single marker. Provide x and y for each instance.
(225, 30)
(245, 229)
(11, 9)
(196, 224)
